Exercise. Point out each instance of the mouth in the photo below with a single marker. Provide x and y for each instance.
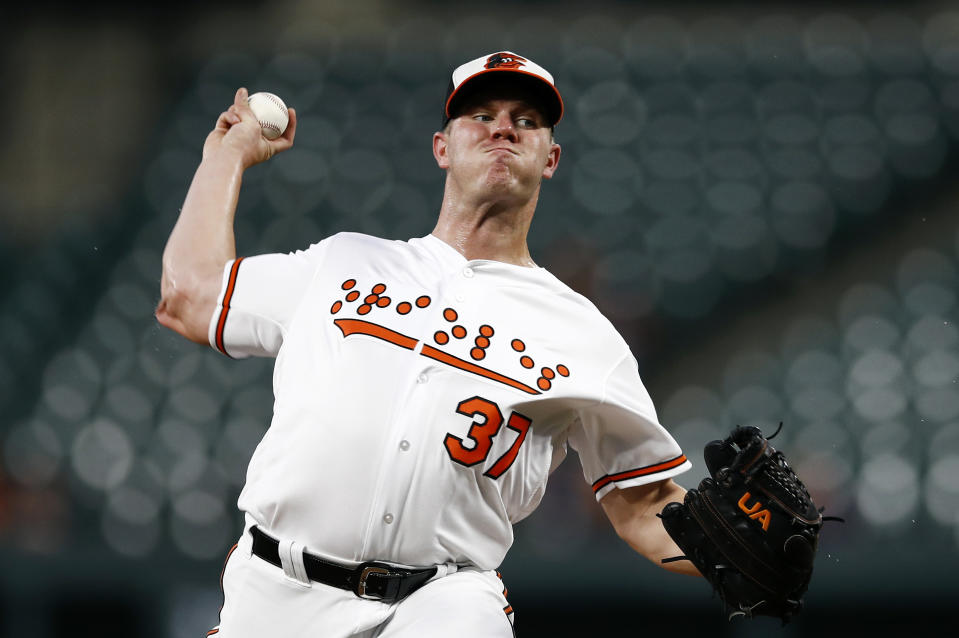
(501, 149)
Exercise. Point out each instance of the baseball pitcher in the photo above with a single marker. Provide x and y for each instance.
(426, 389)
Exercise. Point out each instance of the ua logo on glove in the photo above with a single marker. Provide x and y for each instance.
(754, 511)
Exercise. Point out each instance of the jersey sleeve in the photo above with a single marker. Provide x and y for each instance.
(258, 299)
(620, 440)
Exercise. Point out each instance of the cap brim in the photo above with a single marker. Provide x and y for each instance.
(546, 93)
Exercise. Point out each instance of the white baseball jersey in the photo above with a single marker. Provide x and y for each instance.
(422, 399)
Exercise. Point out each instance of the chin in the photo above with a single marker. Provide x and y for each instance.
(500, 174)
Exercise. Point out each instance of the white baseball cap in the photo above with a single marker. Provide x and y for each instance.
(492, 66)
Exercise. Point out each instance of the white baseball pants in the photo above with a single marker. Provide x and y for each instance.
(259, 601)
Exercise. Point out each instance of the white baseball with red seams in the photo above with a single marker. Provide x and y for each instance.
(270, 112)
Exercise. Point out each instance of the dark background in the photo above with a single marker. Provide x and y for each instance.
(760, 195)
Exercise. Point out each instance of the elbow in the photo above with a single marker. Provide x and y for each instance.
(167, 315)
(181, 309)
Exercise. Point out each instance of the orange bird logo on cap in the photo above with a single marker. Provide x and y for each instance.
(504, 60)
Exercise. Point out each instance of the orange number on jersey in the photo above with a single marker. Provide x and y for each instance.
(521, 424)
(481, 432)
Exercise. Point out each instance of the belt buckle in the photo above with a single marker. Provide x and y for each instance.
(364, 574)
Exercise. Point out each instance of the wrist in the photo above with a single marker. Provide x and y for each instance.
(227, 156)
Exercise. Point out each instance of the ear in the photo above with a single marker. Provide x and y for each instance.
(440, 146)
(552, 160)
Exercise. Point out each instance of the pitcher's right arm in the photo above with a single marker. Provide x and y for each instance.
(202, 241)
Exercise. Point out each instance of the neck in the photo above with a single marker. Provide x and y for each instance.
(487, 230)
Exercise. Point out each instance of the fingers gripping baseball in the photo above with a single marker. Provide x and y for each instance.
(238, 132)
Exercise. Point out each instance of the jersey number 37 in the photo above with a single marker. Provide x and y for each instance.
(487, 421)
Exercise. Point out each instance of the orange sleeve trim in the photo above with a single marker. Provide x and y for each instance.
(456, 362)
(227, 297)
(358, 326)
(643, 471)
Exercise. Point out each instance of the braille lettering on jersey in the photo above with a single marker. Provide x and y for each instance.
(436, 392)
(376, 299)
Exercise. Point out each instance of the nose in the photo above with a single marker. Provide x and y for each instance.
(504, 128)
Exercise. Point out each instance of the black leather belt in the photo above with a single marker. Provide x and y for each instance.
(371, 580)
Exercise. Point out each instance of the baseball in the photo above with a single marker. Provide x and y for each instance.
(270, 112)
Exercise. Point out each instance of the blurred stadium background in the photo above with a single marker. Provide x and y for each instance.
(761, 196)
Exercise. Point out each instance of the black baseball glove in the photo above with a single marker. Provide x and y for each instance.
(751, 528)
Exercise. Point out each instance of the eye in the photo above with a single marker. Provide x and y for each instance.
(483, 117)
(527, 122)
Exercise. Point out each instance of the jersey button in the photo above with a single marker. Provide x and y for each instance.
(404, 445)
(467, 272)
(388, 518)
(422, 378)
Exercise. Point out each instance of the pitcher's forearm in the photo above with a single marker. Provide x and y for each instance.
(203, 236)
(633, 513)
(201, 242)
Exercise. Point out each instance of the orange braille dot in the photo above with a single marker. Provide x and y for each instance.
(450, 315)
(404, 307)
(486, 331)
(371, 299)
(459, 332)
(423, 301)
(518, 345)
(383, 302)
(336, 307)
(563, 370)
(349, 283)
(441, 337)
(526, 362)
(544, 384)
(482, 342)
(477, 353)
(365, 308)
(549, 374)
(353, 296)
(379, 289)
